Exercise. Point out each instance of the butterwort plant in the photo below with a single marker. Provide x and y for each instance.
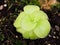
(32, 23)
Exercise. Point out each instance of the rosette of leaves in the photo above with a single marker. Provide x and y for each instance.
(32, 23)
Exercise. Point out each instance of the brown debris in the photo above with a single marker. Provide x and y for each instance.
(46, 4)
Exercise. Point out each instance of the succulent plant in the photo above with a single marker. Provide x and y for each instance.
(32, 23)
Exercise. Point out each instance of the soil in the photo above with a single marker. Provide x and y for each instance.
(11, 37)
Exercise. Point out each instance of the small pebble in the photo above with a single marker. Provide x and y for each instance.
(57, 27)
(57, 37)
(16, 36)
(50, 35)
(54, 37)
(54, 32)
(0, 20)
(1, 7)
(6, 25)
(5, 5)
(58, 14)
(5, 1)
(10, 13)
(49, 44)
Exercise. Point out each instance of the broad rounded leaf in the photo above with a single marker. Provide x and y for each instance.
(31, 8)
(18, 20)
(42, 29)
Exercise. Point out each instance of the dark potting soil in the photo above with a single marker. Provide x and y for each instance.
(11, 37)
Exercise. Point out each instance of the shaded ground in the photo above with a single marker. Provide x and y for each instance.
(9, 36)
